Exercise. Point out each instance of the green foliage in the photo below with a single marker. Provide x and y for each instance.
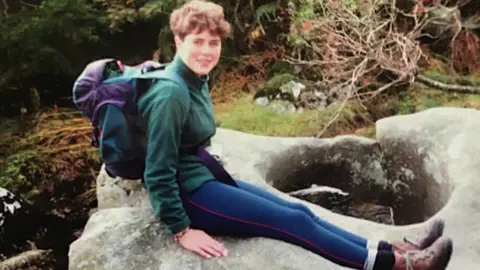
(49, 39)
(37, 175)
(19, 171)
(36, 40)
(266, 13)
(278, 80)
(248, 117)
(405, 105)
(301, 11)
(121, 12)
(430, 103)
(280, 67)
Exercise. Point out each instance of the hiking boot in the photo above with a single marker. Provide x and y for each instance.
(433, 233)
(435, 257)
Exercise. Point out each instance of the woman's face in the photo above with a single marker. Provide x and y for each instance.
(200, 51)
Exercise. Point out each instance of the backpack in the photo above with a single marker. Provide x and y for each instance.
(106, 93)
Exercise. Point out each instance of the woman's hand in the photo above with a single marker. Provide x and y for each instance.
(202, 244)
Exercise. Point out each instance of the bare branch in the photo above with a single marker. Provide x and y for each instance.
(352, 51)
(362, 56)
(449, 87)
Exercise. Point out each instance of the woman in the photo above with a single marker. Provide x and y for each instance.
(200, 205)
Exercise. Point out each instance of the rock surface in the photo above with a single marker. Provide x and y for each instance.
(115, 192)
(284, 94)
(430, 158)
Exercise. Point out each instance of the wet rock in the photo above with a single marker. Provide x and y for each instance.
(321, 195)
(343, 203)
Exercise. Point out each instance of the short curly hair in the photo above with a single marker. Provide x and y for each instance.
(199, 15)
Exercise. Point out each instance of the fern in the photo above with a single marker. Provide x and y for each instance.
(267, 12)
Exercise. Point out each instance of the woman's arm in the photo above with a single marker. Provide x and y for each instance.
(163, 109)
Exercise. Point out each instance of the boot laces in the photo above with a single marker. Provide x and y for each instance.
(415, 257)
(403, 248)
(405, 239)
(408, 261)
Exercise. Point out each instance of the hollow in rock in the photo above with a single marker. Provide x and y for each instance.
(348, 177)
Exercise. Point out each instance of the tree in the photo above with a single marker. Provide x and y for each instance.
(47, 39)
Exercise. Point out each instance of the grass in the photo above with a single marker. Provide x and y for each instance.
(441, 71)
(438, 75)
(421, 98)
(244, 115)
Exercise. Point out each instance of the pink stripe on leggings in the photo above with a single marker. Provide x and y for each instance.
(275, 229)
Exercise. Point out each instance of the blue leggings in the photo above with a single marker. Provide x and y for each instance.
(248, 211)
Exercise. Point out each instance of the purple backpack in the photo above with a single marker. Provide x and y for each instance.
(106, 93)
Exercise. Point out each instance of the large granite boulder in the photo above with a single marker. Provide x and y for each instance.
(424, 165)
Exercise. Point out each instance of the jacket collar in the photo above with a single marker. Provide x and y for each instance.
(193, 81)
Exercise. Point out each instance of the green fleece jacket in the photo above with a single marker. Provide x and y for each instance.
(163, 108)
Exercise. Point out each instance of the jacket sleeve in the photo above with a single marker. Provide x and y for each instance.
(163, 111)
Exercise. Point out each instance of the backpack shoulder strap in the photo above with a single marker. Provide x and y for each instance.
(165, 74)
